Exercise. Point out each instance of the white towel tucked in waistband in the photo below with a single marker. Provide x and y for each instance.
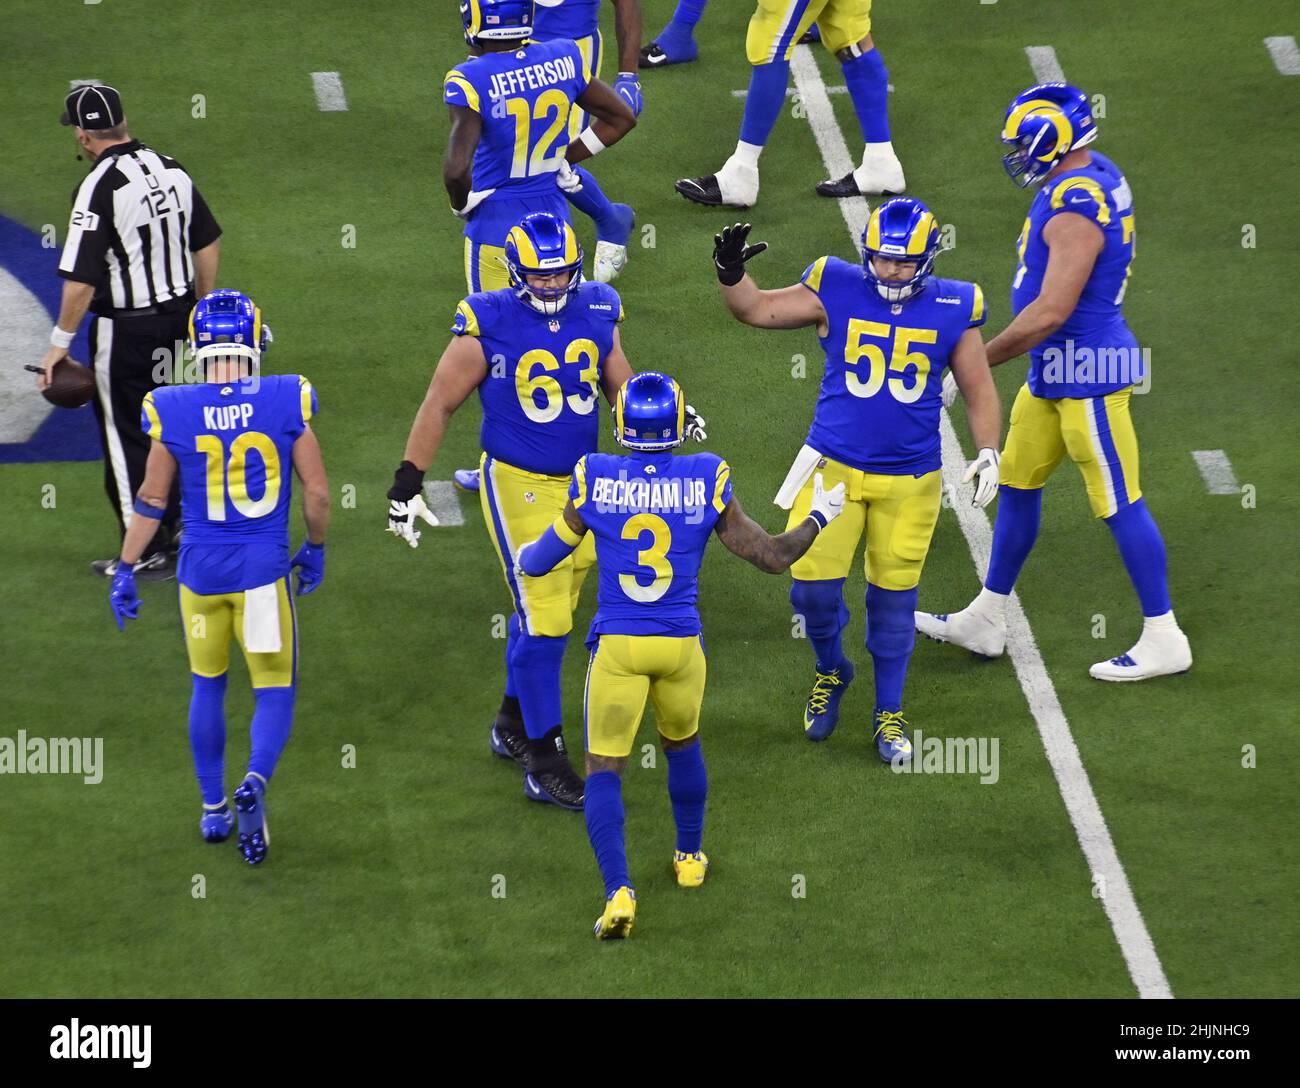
(804, 465)
(262, 620)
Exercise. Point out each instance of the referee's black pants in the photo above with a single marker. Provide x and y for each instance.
(129, 360)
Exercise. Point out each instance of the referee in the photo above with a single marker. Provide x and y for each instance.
(141, 242)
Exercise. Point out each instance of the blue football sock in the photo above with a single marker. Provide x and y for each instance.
(1143, 550)
(688, 13)
(688, 787)
(891, 633)
(867, 79)
(535, 662)
(596, 206)
(208, 735)
(1014, 531)
(603, 808)
(272, 723)
(763, 104)
(821, 604)
(678, 36)
(512, 635)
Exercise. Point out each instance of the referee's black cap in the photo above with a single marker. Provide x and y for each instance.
(92, 107)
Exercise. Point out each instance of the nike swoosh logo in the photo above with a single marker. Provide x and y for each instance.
(531, 787)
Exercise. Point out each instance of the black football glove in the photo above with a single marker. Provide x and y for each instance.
(730, 253)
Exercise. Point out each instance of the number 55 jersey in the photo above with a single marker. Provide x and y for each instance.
(233, 445)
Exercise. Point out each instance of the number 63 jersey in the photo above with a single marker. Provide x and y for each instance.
(539, 398)
(881, 395)
(233, 446)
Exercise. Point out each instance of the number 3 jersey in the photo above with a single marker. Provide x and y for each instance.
(233, 446)
(539, 398)
(651, 514)
(881, 394)
(1094, 352)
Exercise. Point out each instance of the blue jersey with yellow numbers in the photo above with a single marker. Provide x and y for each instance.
(539, 398)
(651, 515)
(233, 446)
(1094, 352)
(881, 394)
(565, 19)
(524, 97)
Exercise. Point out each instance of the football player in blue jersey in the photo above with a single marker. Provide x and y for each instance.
(774, 30)
(1075, 255)
(579, 21)
(539, 353)
(651, 515)
(889, 328)
(232, 439)
(509, 151)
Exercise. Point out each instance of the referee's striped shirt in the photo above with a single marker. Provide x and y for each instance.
(137, 219)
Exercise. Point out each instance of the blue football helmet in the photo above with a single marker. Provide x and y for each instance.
(900, 229)
(543, 245)
(497, 20)
(650, 413)
(1042, 126)
(227, 322)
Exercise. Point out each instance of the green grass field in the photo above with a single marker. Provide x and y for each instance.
(382, 876)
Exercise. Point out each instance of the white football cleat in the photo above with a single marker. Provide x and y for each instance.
(1162, 652)
(880, 172)
(611, 259)
(969, 628)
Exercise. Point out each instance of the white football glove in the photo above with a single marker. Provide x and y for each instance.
(830, 504)
(949, 389)
(567, 178)
(985, 466)
(402, 515)
(694, 425)
(475, 198)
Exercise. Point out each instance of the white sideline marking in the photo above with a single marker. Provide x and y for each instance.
(73, 84)
(1217, 472)
(1286, 57)
(790, 92)
(1042, 59)
(329, 92)
(1062, 753)
(440, 498)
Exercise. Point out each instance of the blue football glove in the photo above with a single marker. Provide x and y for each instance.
(310, 562)
(122, 597)
(628, 88)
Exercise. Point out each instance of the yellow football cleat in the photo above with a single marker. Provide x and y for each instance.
(620, 913)
(690, 868)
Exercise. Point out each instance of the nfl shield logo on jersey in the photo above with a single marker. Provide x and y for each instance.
(553, 325)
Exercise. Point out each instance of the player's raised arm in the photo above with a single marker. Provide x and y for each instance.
(790, 307)
(611, 119)
(774, 554)
(459, 372)
(1074, 243)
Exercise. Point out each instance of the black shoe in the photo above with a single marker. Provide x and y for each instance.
(652, 57)
(155, 567)
(701, 190)
(548, 778)
(846, 186)
(509, 742)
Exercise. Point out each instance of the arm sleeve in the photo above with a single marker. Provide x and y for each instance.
(90, 231)
(204, 229)
(722, 487)
(812, 275)
(457, 90)
(551, 548)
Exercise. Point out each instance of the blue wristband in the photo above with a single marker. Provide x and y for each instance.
(147, 511)
(819, 518)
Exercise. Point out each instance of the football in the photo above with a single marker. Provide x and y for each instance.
(71, 384)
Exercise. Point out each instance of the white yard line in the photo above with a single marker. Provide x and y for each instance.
(1217, 472)
(329, 92)
(1285, 54)
(1076, 790)
(1042, 59)
(440, 497)
(790, 92)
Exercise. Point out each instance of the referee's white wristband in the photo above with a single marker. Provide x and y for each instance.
(61, 339)
(593, 143)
